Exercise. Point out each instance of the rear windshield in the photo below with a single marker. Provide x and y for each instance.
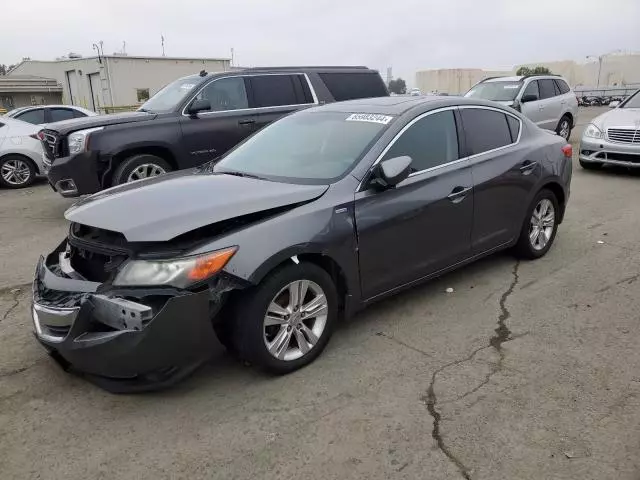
(495, 91)
(352, 85)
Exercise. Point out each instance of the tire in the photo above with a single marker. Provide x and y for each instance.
(564, 123)
(251, 335)
(526, 247)
(590, 165)
(16, 171)
(125, 171)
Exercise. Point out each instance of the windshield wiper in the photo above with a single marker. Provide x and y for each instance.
(240, 174)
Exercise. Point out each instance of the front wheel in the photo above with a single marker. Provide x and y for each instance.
(287, 320)
(139, 167)
(539, 227)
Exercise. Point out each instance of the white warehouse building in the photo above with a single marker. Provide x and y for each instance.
(115, 80)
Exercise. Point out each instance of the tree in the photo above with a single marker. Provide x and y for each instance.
(539, 70)
(398, 86)
(4, 69)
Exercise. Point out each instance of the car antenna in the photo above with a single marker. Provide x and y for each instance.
(203, 73)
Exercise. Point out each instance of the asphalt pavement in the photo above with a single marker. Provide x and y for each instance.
(527, 370)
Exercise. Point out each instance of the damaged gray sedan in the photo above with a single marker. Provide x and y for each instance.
(311, 219)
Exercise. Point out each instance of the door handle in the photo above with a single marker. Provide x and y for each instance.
(246, 122)
(541, 107)
(527, 167)
(458, 194)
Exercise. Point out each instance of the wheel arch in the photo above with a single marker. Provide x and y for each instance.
(559, 191)
(346, 283)
(158, 150)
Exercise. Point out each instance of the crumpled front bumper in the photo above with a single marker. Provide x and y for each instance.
(123, 340)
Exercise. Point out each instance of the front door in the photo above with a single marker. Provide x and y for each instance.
(533, 109)
(209, 134)
(424, 224)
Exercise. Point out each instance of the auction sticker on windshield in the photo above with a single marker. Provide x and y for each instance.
(369, 117)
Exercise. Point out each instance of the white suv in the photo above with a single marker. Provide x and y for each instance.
(547, 100)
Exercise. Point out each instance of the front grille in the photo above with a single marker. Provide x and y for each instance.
(624, 135)
(52, 145)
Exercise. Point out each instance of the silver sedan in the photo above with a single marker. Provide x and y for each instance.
(613, 138)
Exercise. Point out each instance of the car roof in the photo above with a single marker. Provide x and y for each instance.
(505, 79)
(398, 105)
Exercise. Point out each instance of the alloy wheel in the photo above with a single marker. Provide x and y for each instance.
(15, 172)
(295, 320)
(565, 129)
(145, 170)
(542, 223)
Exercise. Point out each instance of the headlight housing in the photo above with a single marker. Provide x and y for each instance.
(177, 272)
(78, 141)
(592, 131)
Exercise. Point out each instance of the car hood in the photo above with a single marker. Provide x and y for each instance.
(67, 126)
(619, 117)
(161, 208)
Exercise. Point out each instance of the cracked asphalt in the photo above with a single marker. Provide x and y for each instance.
(526, 371)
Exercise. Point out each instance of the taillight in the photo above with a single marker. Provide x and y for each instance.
(40, 136)
(567, 150)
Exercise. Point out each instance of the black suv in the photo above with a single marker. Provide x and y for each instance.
(190, 122)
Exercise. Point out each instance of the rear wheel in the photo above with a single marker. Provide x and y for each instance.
(139, 167)
(564, 127)
(287, 320)
(16, 171)
(540, 226)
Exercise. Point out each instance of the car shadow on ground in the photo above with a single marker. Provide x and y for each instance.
(224, 369)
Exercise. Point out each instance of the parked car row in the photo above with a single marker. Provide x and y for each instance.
(598, 101)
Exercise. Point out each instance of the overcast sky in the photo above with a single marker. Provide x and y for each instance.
(407, 35)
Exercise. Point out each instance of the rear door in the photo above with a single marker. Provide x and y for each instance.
(276, 95)
(424, 224)
(35, 116)
(550, 103)
(209, 134)
(504, 172)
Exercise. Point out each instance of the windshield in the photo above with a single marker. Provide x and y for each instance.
(496, 91)
(308, 147)
(633, 101)
(170, 96)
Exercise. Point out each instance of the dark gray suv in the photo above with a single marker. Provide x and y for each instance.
(317, 215)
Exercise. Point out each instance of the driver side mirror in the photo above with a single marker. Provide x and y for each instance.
(529, 98)
(199, 105)
(392, 171)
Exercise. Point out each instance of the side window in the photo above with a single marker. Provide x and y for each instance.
(32, 116)
(485, 129)
(547, 89)
(562, 86)
(301, 86)
(349, 86)
(514, 127)
(58, 114)
(532, 89)
(431, 141)
(273, 90)
(79, 114)
(225, 94)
